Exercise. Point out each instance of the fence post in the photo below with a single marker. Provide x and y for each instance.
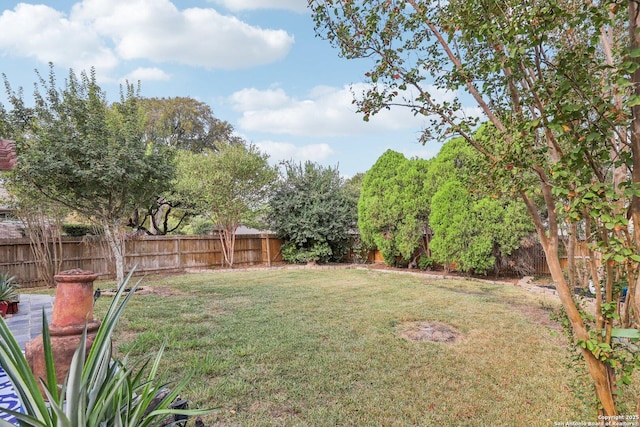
(178, 254)
(268, 251)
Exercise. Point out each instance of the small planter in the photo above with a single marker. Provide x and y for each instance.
(4, 306)
(73, 306)
(72, 316)
(13, 307)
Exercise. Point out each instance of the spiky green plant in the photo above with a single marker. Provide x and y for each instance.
(8, 289)
(98, 391)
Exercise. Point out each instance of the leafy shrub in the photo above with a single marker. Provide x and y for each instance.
(8, 289)
(319, 252)
(360, 250)
(313, 212)
(392, 208)
(199, 225)
(79, 230)
(425, 263)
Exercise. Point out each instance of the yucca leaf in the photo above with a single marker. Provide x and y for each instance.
(97, 391)
(73, 408)
(17, 369)
(112, 391)
(109, 322)
(25, 419)
(57, 411)
(52, 382)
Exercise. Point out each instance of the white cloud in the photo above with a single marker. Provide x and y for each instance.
(146, 75)
(41, 32)
(238, 5)
(325, 112)
(101, 33)
(253, 99)
(279, 151)
(158, 31)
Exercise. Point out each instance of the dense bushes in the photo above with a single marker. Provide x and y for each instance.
(313, 213)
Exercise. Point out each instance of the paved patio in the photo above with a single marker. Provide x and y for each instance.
(27, 323)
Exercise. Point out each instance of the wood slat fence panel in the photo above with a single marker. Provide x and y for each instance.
(156, 254)
(150, 254)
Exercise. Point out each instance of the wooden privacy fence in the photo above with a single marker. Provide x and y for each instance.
(157, 254)
(150, 254)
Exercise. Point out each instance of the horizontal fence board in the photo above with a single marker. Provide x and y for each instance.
(149, 254)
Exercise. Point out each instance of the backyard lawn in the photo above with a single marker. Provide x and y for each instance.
(326, 347)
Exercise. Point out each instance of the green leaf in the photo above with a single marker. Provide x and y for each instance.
(633, 100)
(622, 82)
(630, 333)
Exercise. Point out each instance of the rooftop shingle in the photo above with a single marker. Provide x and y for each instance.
(7, 155)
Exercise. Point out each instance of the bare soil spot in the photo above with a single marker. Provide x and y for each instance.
(430, 331)
(538, 315)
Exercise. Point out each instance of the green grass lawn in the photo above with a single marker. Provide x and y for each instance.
(323, 347)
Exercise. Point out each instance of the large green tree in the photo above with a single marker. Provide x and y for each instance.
(181, 123)
(456, 160)
(186, 123)
(313, 212)
(475, 233)
(560, 85)
(392, 209)
(473, 225)
(92, 156)
(230, 187)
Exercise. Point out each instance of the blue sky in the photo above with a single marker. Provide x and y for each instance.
(257, 63)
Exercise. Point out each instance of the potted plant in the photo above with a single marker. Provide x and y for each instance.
(8, 293)
(98, 390)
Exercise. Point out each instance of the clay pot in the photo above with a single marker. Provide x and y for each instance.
(72, 311)
(73, 304)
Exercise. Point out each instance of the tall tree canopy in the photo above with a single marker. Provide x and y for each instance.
(76, 148)
(392, 209)
(229, 186)
(474, 226)
(186, 123)
(475, 232)
(313, 212)
(181, 123)
(560, 85)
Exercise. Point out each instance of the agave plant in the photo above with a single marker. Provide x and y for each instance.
(8, 289)
(98, 390)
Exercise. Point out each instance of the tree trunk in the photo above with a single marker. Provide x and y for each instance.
(223, 245)
(228, 242)
(634, 43)
(603, 378)
(116, 244)
(598, 371)
(571, 253)
(634, 24)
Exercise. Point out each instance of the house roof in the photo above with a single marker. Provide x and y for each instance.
(7, 154)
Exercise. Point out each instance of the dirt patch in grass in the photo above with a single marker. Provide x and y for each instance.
(430, 331)
(538, 315)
